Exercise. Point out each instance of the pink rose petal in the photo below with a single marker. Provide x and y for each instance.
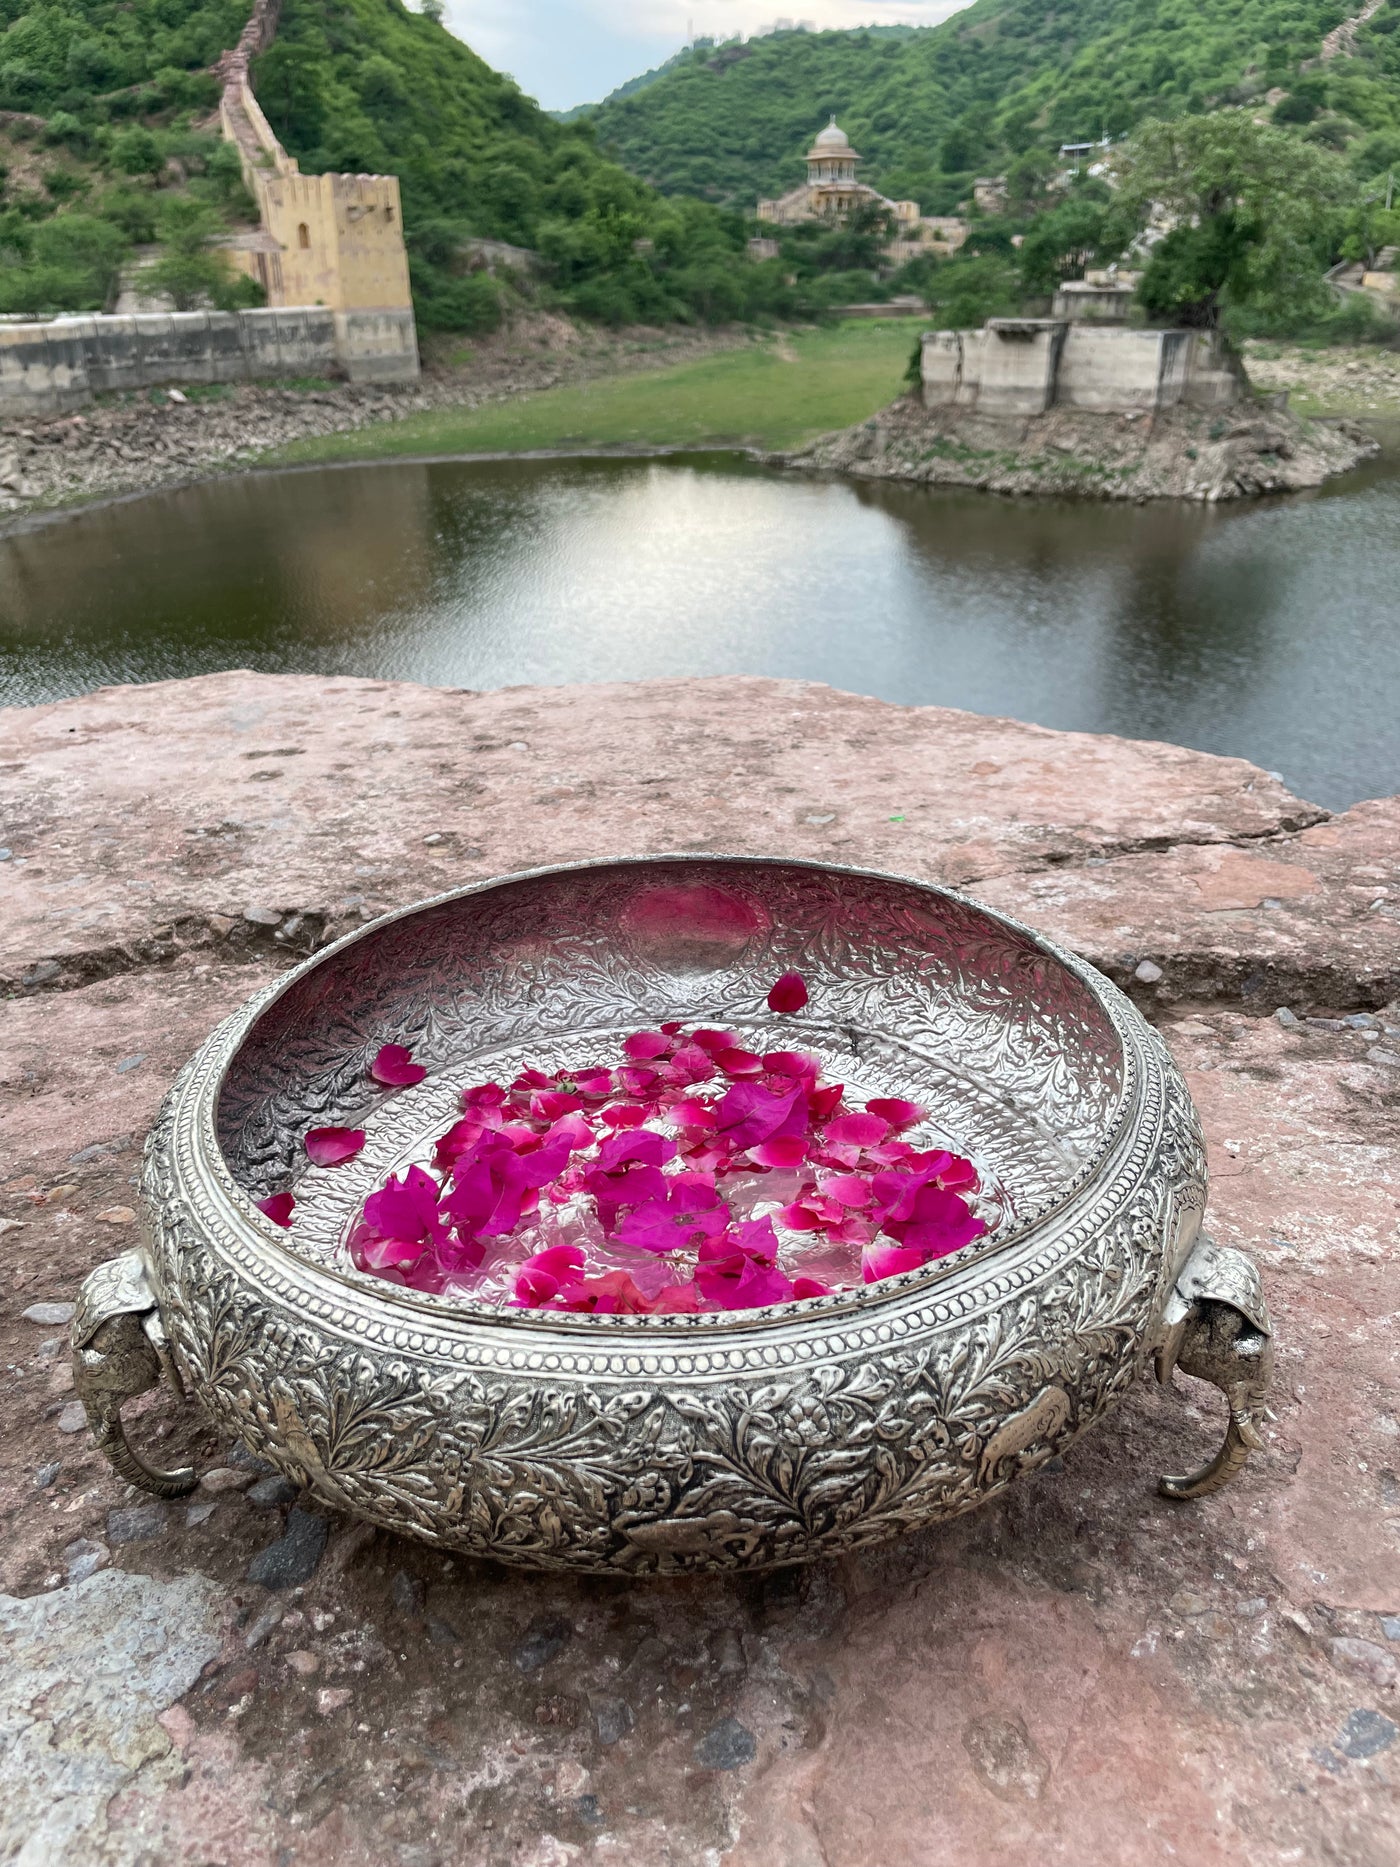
(848, 1188)
(278, 1207)
(736, 1062)
(712, 1042)
(642, 1046)
(330, 1147)
(789, 994)
(878, 1261)
(896, 1111)
(861, 1130)
(623, 1115)
(677, 1300)
(395, 1068)
(783, 1151)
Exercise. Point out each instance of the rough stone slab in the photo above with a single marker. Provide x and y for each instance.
(1096, 1670)
(1313, 917)
(84, 1672)
(1080, 1673)
(148, 819)
(65, 1094)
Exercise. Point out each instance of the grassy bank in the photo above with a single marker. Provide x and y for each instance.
(1362, 380)
(775, 393)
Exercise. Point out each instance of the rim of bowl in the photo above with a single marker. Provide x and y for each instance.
(257, 1231)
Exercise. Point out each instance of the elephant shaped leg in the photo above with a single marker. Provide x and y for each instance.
(1217, 1328)
(119, 1351)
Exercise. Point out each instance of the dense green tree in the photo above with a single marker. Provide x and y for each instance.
(137, 151)
(69, 263)
(188, 270)
(1253, 214)
(291, 91)
(1084, 227)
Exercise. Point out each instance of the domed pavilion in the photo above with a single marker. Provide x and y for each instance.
(831, 190)
(833, 193)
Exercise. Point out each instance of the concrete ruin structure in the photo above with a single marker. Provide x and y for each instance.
(1025, 366)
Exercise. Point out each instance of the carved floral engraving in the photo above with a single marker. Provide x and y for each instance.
(645, 1445)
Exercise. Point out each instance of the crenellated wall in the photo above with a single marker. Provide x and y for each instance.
(332, 240)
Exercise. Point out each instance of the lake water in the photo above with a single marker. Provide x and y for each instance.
(1272, 631)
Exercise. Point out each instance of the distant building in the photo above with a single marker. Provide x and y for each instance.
(833, 193)
(1093, 303)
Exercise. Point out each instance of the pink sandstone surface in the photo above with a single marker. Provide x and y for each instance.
(1081, 1673)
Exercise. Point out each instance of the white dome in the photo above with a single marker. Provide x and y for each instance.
(832, 137)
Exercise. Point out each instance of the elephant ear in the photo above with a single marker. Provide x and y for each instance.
(1224, 1276)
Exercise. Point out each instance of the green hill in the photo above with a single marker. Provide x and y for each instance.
(1003, 80)
(106, 141)
(367, 85)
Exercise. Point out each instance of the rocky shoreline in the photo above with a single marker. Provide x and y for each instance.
(156, 439)
(1178, 454)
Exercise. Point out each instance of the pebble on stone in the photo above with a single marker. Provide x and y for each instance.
(199, 1513)
(240, 1456)
(1366, 1733)
(50, 1315)
(333, 1698)
(264, 1624)
(546, 1636)
(1147, 971)
(1286, 1018)
(271, 1491)
(292, 1559)
(46, 1474)
(142, 1523)
(224, 1478)
(407, 1595)
(612, 1718)
(84, 1557)
(727, 1745)
(1364, 1658)
(727, 1651)
(73, 1417)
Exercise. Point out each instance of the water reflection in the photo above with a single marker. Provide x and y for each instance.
(1266, 630)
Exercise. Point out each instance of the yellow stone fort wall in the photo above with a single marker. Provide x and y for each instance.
(332, 240)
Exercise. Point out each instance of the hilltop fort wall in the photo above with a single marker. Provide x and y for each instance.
(333, 241)
(328, 252)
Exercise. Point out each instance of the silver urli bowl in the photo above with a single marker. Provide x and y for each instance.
(651, 1445)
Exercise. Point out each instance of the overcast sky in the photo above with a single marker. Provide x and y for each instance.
(567, 52)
